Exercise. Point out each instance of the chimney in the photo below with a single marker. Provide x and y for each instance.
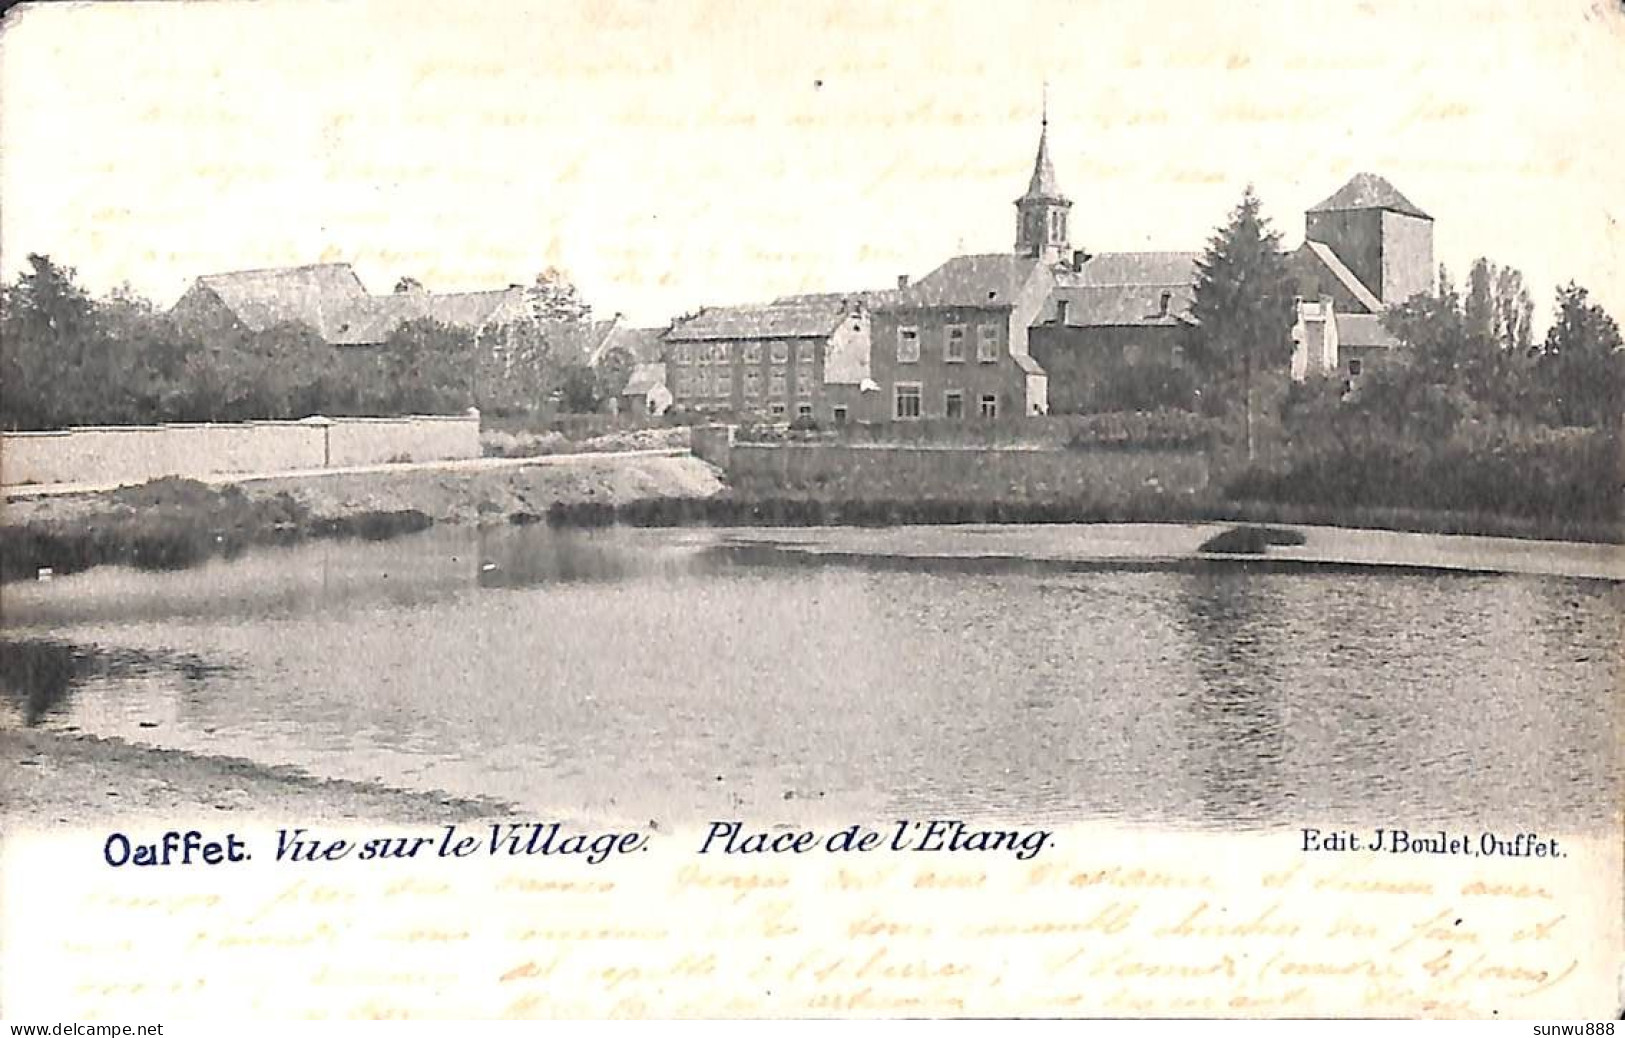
(1061, 308)
(902, 282)
(1079, 258)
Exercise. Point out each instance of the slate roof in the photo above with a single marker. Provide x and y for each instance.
(989, 280)
(1363, 330)
(773, 321)
(331, 299)
(644, 377)
(373, 319)
(1134, 268)
(324, 296)
(837, 299)
(1369, 191)
(1043, 184)
(1342, 273)
(1101, 306)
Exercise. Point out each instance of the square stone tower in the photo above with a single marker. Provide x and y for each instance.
(1379, 234)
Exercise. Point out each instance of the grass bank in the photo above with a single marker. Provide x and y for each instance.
(175, 523)
(172, 523)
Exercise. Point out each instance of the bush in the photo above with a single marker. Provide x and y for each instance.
(1569, 475)
(1147, 429)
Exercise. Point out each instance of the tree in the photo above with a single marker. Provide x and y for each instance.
(1514, 312)
(48, 326)
(1474, 348)
(428, 368)
(514, 362)
(578, 388)
(1498, 309)
(408, 284)
(1244, 311)
(1434, 327)
(613, 371)
(1582, 363)
(553, 297)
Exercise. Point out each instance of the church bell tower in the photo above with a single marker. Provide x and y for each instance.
(1041, 213)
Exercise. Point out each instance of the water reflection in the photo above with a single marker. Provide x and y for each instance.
(1231, 724)
(39, 676)
(527, 556)
(650, 673)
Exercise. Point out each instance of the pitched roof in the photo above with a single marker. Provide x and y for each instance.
(324, 296)
(991, 280)
(373, 318)
(1343, 274)
(644, 344)
(644, 377)
(773, 321)
(1101, 306)
(1043, 183)
(1369, 191)
(1134, 268)
(1363, 330)
(330, 298)
(867, 298)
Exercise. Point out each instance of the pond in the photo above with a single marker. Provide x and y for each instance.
(670, 675)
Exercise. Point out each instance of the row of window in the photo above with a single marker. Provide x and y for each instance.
(750, 353)
(954, 343)
(906, 402)
(721, 383)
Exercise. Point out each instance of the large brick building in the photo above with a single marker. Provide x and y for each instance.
(770, 361)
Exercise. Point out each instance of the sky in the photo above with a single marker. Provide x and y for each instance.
(681, 153)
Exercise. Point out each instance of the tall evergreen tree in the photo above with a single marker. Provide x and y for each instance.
(1244, 308)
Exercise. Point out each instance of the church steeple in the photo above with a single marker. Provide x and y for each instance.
(1041, 213)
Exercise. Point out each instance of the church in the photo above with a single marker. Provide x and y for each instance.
(1043, 328)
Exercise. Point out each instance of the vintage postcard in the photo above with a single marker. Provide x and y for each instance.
(600, 508)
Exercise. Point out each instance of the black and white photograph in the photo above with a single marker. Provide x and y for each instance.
(604, 508)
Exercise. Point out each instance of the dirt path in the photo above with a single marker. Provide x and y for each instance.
(62, 779)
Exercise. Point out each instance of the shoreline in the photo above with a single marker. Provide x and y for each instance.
(1178, 547)
(175, 523)
(61, 779)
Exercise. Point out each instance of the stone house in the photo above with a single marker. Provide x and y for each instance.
(954, 344)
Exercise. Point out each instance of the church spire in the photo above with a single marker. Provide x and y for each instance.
(1042, 212)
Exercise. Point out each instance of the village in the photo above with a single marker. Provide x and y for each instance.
(1044, 328)
(1343, 379)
